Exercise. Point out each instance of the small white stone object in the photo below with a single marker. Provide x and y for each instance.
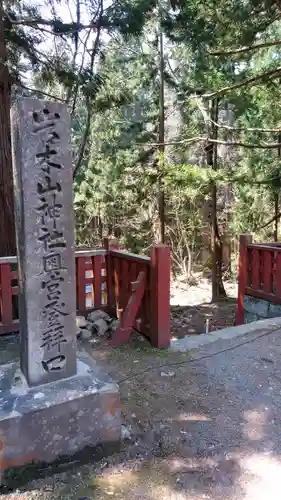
(81, 322)
(94, 341)
(125, 433)
(39, 395)
(167, 374)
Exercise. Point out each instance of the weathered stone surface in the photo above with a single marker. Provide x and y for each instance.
(90, 327)
(256, 309)
(114, 325)
(45, 237)
(256, 306)
(94, 315)
(250, 317)
(274, 310)
(100, 327)
(58, 419)
(85, 334)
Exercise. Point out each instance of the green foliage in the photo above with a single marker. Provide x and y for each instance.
(120, 164)
(111, 84)
(115, 183)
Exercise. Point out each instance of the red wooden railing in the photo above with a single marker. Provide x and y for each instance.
(8, 294)
(103, 280)
(124, 268)
(153, 318)
(259, 273)
(90, 280)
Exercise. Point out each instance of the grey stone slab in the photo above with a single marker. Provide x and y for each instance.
(250, 317)
(256, 306)
(41, 424)
(193, 342)
(45, 237)
(274, 310)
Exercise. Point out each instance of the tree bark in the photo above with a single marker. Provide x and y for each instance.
(161, 194)
(7, 227)
(276, 200)
(276, 218)
(218, 290)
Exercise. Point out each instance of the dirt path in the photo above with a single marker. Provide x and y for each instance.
(191, 310)
(207, 429)
(169, 416)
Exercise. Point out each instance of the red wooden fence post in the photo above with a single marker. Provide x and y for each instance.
(123, 333)
(80, 285)
(6, 295)
(244, 241)
(97, 267)
(109, 243)
(160, 296)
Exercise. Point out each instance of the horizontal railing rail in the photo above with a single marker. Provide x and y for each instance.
(129, 256)
(78, 253)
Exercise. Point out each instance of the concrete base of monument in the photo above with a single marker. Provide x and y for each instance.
(57, 421)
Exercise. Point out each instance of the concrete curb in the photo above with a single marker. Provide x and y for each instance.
(190, 342)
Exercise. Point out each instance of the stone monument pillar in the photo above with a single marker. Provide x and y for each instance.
(54, 404)
(45, 239)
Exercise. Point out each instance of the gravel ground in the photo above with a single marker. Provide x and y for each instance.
(191, 308)
(206, 429)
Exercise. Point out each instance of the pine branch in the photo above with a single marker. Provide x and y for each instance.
(58, 26)
(87, 100)
(246, 144)
(243, 50)
(216, 141)
(270, 221)
(207, 118)
(173, 143)
(250, 81)
(79, 73)
(36, 91)
(76, 43)
(245, 129)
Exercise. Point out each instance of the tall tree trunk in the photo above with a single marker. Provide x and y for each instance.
(100, 224)
(276, 212)
(161, 194)
(276, 199)
(7, 228)
(218, 290)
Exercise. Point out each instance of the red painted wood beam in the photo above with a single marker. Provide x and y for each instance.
(123, 333)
